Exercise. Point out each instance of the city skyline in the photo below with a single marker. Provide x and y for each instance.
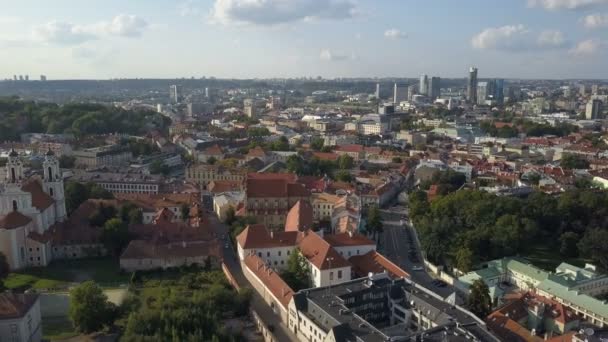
(548, 39)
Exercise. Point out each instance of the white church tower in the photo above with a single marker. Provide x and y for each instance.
(53, 183)
(14, 168)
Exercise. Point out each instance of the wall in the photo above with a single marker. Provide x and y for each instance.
(268, 296)
(27, 328)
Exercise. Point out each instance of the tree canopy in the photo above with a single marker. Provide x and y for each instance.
(479, 300)
(89, 307)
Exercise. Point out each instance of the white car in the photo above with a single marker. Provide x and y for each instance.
(417, 268)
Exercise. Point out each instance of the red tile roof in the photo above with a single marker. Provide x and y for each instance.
(270, 278)
(13, 220)
(300, 217)
(326, 155)
(350, 148)
(278, 186)
(375, 262)
(40, 199)
(348, 239)
(15, 305)
(257, 236)
(320, 253)
(214, 150)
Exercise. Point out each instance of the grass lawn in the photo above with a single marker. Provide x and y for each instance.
(548, 257)
(57, 329)
(104, 271)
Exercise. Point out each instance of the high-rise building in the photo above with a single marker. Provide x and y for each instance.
(411, 91)
(42, 78)
(399, 93)
(249, 107)
(434, 88)
(377, 90)
(593, 110)
(472, 85)
(485, 91)
(423, 89)
(14, 77)
(499, 88)
(595, 89)
(582, 90)
(207, 92)
(175, 93)
(20, 77)
(27, 77)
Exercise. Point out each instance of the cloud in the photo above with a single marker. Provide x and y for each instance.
(64, 33)
(276, 12)
(554, 5)
(328, 55)
(57, 32)
(8, 20)
(551, 39)
(517, 38)
(188, 8)
(395, 34)
(596, 20)
(586, 47)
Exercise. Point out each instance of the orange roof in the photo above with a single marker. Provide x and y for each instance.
(158, 201)
(15, 305)
(223, 186)
(299, 217)
(256, 152)
(270, 279)
(164, 215)
(257, 236)
(215, 150)
(347, 239)
(375, 262)
(350, 148)
(320, 253)
(278, 186)
(13, 220)
(326, 155)
(40, 199)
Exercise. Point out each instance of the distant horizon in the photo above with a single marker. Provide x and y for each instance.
(248, 39)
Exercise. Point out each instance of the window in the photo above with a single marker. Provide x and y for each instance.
(279, 253)
(331, 275)
(260, 254)
(14, 205)
(340, 274)
(267, 254)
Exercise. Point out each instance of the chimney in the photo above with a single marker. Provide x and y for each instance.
(272, 234)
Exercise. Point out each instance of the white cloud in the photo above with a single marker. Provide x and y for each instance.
(394, 34)
(188, 8)
(63, 33)
(328, 55)
(517, 38)
(596, 20)
(566, 4)
(586, 47)
(8, 20)
(58, 32)
(551, 38)
(275, 12)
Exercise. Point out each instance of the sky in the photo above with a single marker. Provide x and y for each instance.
(101, 39)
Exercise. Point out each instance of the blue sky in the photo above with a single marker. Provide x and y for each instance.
(294, 38)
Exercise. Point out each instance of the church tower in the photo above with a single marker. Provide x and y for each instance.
(53, 183)
(14, 168)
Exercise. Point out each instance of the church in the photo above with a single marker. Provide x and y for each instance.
(28, 208)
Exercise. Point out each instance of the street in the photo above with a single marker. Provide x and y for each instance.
(231, 261)
(399, 245)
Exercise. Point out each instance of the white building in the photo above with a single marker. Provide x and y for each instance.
(20, 318)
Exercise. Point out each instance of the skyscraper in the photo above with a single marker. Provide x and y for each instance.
(423, 89)
(207, 92)
(499, 88)
(42, 78)
(399, 93)
(472, 85)
(249, 107)
(175, 93)
(582, 90)
(377, 90)
(593, 110)
(595, 89)
(434, 88)
(411, 91)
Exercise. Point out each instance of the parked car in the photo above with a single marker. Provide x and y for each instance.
(417, 268)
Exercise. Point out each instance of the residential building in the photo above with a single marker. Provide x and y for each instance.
(117, 182)
(203, 174)
(434, 88)
(593, 110)
(411, 91)
(20, 318)
(249, 108)
(175, 93)
(223, 201)
(399, 93)
(110, 155)
(323, 205)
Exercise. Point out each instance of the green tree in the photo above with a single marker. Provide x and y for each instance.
(568, 241)
(101, 215)
(89, 308)
(211, 160)
(317, 143)
(230, 216)
(185, 211)
(344, 176)
(295, 164)
(297, 274)
(67, 162)
(397, 160)
(572, 161)
(479, 301)
(4, 270)
(159, 167)
(593, 245)
(345, 162)
(75, 194)
(115, 236)
(374, 221)
(464, 259)
(98, 192)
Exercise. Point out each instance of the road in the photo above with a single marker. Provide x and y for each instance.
(399, 245)
(231, 261)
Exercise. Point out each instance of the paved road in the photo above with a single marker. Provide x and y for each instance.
(231, 261)
(399, 245)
